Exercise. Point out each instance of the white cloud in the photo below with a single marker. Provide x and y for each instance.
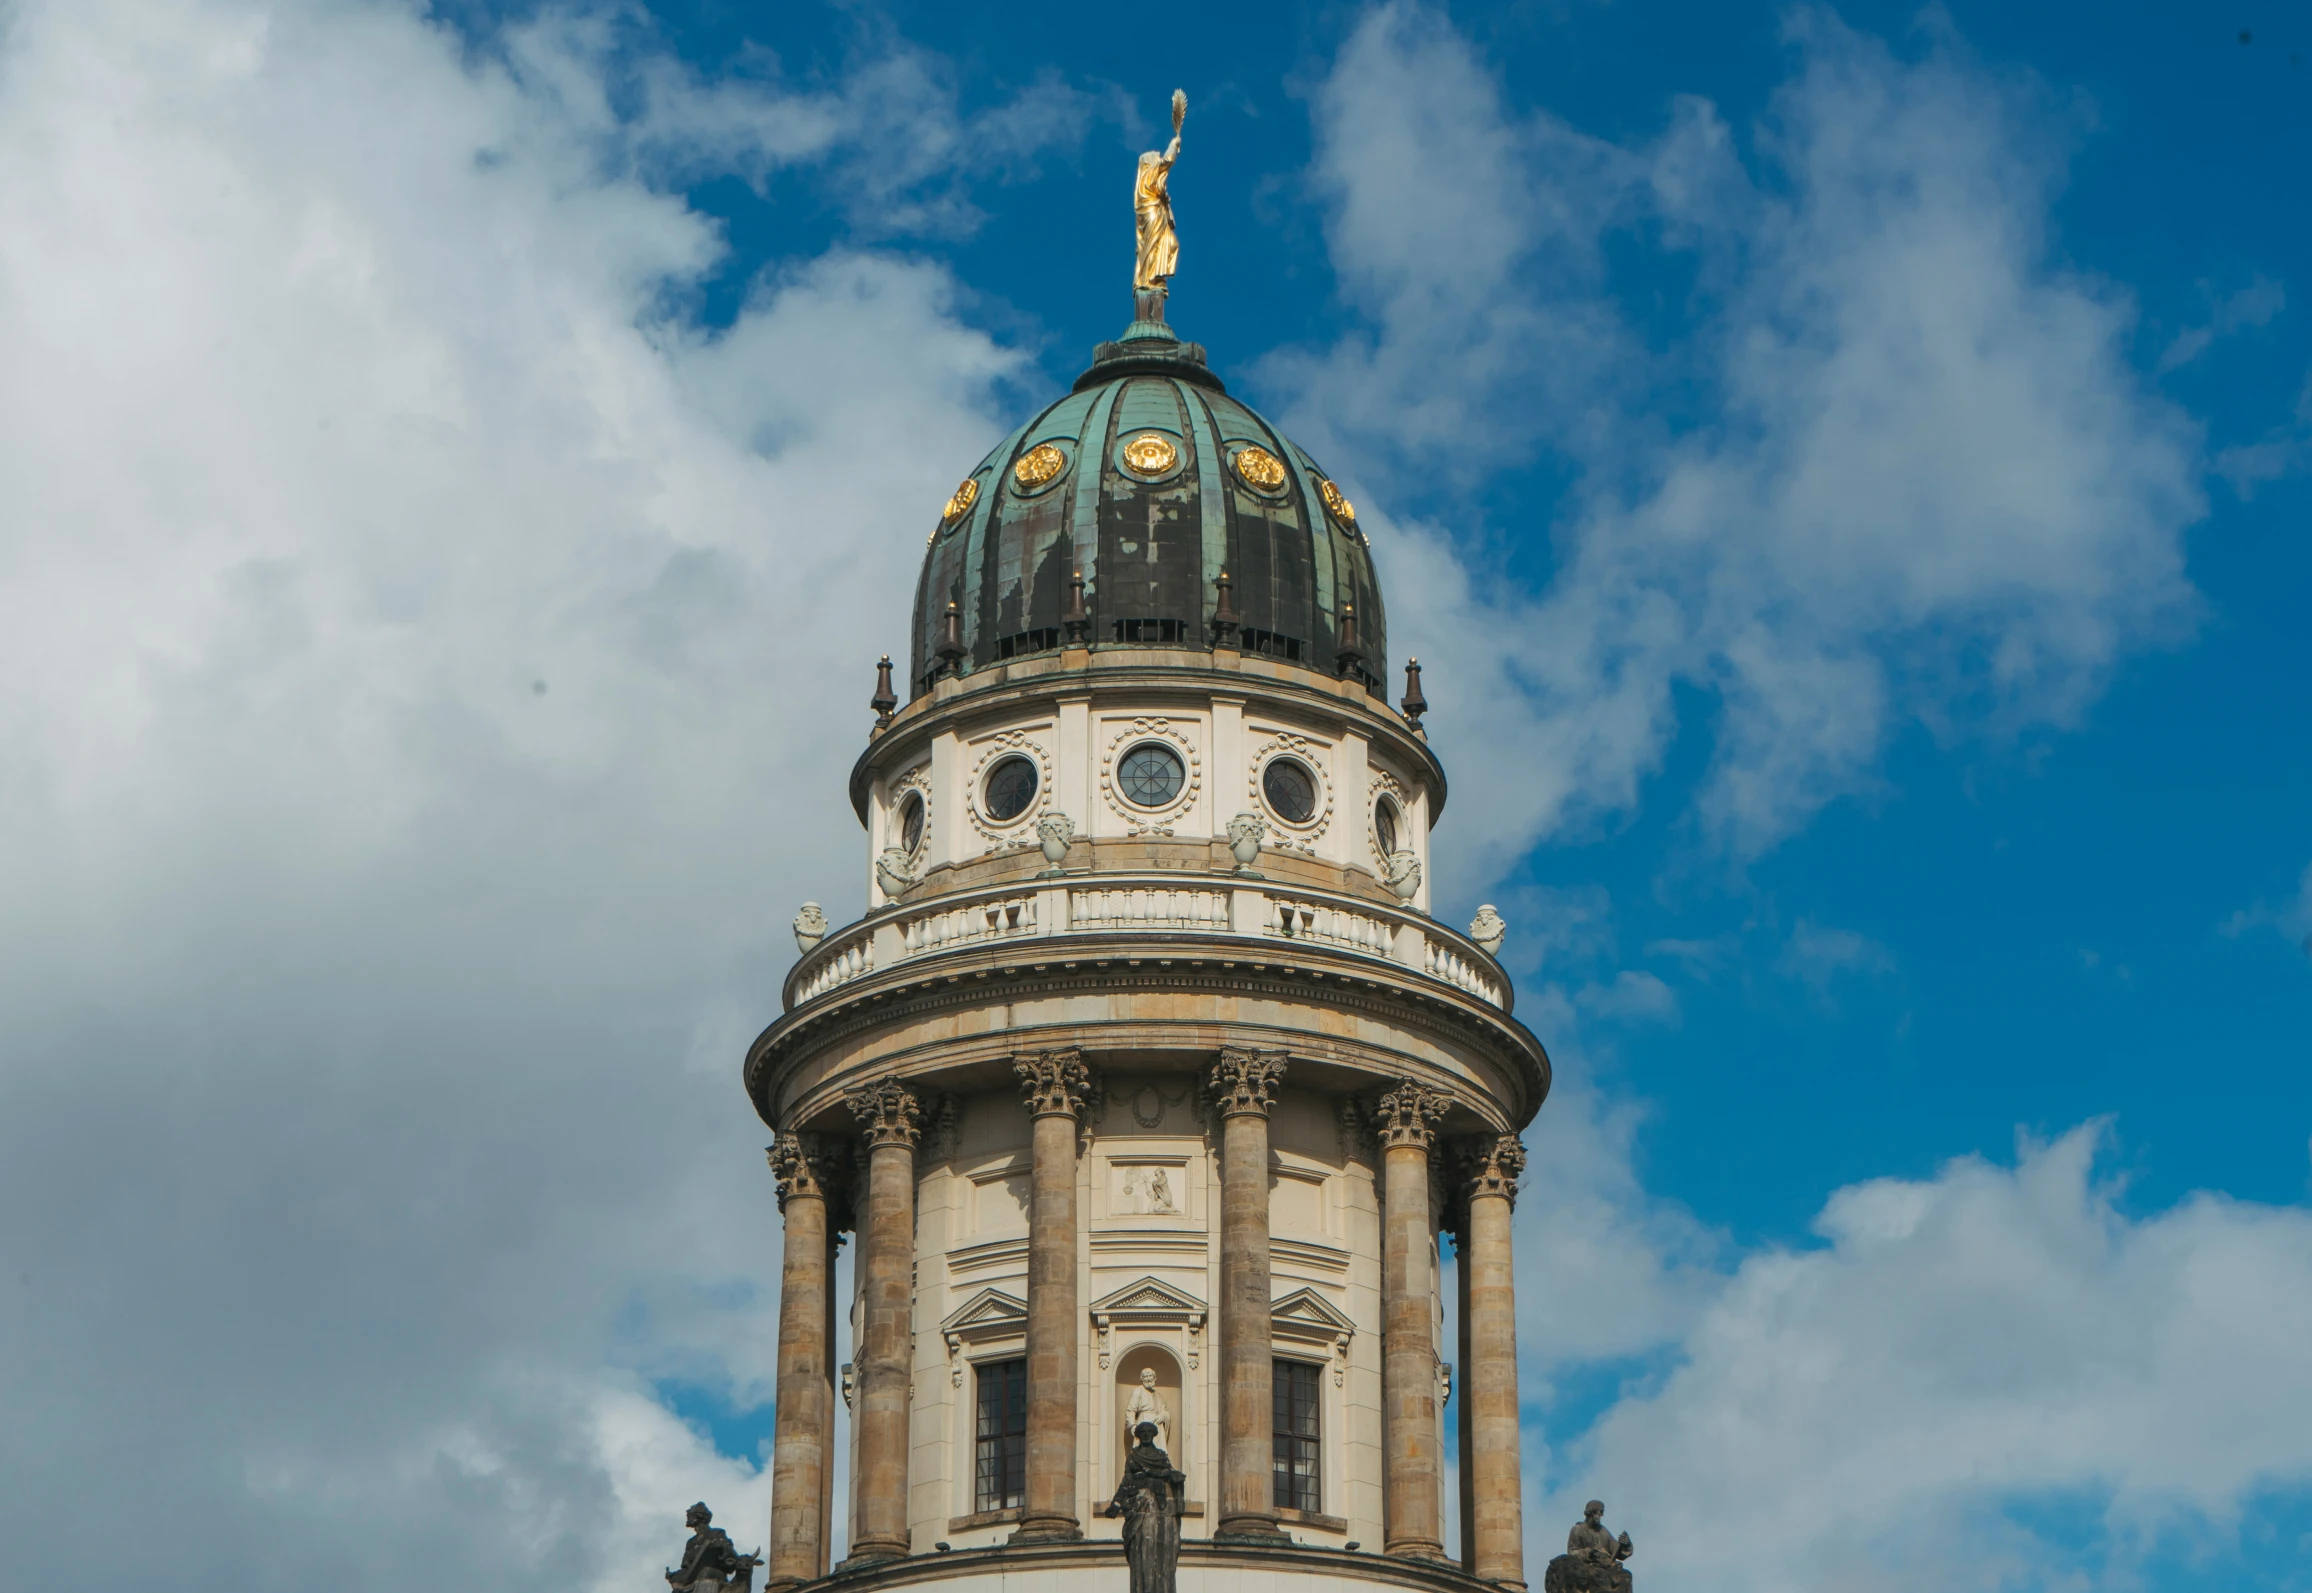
(400, 780)
(2251, 306)
(1916, 478)
(2292, 918)
(1858, 1414)
(1819, 953)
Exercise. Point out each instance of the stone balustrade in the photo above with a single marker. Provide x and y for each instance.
(1251, 910)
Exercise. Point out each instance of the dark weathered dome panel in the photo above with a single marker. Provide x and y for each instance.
(1151, 481)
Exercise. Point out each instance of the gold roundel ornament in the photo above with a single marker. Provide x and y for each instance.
(1262, 471)
(1038, 466)
(1150, 454)
(965, 496)
(1340, 507)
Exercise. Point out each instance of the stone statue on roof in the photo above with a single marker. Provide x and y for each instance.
(1592, 1562)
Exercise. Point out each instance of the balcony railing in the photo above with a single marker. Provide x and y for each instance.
(1225, 908)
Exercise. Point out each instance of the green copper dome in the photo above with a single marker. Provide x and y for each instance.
(1151, 481)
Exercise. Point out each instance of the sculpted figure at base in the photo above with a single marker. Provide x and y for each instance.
(709, 1563)
(1149, 1501)
(1146, 1408)
(1592, 1562)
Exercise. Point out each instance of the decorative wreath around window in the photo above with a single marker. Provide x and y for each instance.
(1287, 785)
(1150, 774)
(1010, 784)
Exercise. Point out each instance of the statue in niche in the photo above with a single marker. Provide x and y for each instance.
(1148, 1193)
(1592, 1562)
(1149, 1501)
(709, 1563)
(1146, 1408)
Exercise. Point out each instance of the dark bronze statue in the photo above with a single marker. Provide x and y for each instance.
(709, 1563)
(1148, 1499)
(1592, 1562)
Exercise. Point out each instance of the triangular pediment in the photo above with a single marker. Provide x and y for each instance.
(1310, 1311)
(1149, 1294)
(986, 1309)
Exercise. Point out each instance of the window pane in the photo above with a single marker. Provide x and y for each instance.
(1298, 1459)
(999, 1471)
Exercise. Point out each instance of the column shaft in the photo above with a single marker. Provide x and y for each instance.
(1465, 1431)
(1054, 1082)
(1412, 1462)
(1489, 1379)
(1244, 1086)
(892, 1120)
(804, 1417)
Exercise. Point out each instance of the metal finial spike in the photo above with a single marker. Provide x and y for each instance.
(1077, 621)
(1414, 704)
(1225, 623)
(885, 701)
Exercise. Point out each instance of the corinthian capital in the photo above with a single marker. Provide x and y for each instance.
(1407, 1115)
(888, 1112)
(1245, 1081)
(1056, 1083)
(1495, 1163)
(804, 1165)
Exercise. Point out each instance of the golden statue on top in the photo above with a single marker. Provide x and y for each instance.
(1159, 253)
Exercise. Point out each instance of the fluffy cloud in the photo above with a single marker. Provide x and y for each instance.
(399, 783)
(1911, 475)
(1861, 1413)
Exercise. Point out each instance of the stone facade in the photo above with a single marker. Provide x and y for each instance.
(1119, 1116)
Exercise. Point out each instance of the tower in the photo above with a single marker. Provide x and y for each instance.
(1149, 1085)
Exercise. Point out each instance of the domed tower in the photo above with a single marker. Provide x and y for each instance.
(1148, 1084)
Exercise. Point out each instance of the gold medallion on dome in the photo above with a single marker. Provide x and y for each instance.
(1039, 466)
(1262, 471)
(1150, 454)
(965, 496)
(1339, 507)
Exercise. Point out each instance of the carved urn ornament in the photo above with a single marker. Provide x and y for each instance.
(1053, 833)
(1488, 929)
(1244, 834)
(1404, 873)
(893, 873)
(810, 926)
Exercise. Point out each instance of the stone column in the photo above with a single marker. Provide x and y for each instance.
(1244, 1087)
(1489, 1372)
(1411, 1457)
(804, 1418)
(1457, 1224)
(1054, 1083)
(890, 1120)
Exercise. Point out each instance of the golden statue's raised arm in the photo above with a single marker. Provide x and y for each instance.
(1159, 254)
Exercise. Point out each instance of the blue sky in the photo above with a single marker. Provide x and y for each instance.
(1845, 471)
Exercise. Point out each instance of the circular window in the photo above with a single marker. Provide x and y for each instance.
(1385, 826)
(1011, 786)
(1291, 790)
(911, 824)
(1150, 775)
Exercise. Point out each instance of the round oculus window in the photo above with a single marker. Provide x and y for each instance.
(1011, 786)
(1385, 826)
(911, 824)
(1291, 790)
(1150, 775)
